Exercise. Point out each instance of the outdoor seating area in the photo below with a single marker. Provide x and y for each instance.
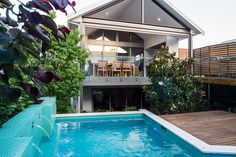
(103, 68)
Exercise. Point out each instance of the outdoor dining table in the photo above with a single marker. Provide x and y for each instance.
(95, 66)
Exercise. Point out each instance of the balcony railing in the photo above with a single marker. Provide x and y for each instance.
(116, 66)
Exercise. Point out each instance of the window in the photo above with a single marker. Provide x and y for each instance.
(73, 26)
(136, 51)
(109, 53)
(135, 39)
(98, 35)
(123, 53)
(123, 50)
(109, 35)
(95, 48)
(124, 36)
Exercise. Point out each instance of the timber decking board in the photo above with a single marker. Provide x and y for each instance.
(212, 127)
(218, 80)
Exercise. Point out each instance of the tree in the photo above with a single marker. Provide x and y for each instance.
(173, 90)
(64, 58)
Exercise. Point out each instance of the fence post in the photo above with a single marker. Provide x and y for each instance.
(209, 61)
(227, 74)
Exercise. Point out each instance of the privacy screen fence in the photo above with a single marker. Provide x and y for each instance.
(215, 61)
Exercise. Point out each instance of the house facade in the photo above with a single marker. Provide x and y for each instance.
(121, 37)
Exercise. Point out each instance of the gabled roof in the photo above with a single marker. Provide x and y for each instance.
(164, 3)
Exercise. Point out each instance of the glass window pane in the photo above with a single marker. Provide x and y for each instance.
(136, 51)
(110, 49)
(95, 48)
(123, 50)
(73, 26)
(109, 53)
(109, 56)
(109, 35)
(135, 39)
(124, 36)
(96, 35)
(123, 53)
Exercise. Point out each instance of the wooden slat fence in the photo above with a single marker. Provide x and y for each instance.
(215, 61)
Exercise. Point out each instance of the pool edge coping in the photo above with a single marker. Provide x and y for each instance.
(187, 137)
(192, 140)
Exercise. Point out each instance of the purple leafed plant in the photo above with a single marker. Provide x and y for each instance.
(17, 43)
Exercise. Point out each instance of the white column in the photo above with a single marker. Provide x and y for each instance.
(83, 43)
(190, 48)
(190, 45)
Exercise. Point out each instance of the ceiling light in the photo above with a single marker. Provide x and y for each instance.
(158, 19)
(107, 13)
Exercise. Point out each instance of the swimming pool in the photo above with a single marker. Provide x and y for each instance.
(126, 135)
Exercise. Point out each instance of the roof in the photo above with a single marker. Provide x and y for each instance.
(164, 3)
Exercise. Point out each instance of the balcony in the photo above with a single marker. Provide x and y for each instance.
(116, 71)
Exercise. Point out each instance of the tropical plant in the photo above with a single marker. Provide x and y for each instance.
(64, 58)
(22, 37)
(173, 90)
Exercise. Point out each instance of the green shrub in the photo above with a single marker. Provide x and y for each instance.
(173, 90)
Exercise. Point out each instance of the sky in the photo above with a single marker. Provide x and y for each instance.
(216, 17)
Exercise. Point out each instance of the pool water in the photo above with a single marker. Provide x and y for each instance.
(114, 136)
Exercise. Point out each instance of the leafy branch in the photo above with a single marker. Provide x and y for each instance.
(32, 39)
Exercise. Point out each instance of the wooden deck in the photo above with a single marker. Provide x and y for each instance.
(213, 127)
(217, 80)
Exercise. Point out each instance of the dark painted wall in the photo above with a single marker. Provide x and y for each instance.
(222, 97)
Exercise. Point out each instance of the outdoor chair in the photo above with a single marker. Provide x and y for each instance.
(127, 69)
(102, 68)
(116, 68)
